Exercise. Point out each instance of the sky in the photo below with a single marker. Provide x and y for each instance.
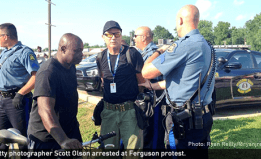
(86, 18)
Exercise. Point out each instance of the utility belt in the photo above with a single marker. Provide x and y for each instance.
(11, 93)
(184, 113)
(191, 112)
(119, 106)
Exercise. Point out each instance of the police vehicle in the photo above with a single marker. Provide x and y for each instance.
(87, 75)
(237, 79)
(238, 76)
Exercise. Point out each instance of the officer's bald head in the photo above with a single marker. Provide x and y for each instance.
(146, 31)
(187, 19)
(143, 37)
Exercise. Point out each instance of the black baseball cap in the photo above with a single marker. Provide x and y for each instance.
(111, 24)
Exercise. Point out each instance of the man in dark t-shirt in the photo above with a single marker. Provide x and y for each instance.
(53, 123)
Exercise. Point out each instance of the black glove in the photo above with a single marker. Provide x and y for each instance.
(18, 101)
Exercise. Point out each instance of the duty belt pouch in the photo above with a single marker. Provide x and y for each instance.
(142, 120)
(198, 120)
(97, 112)
(211, 108)
(178, 129)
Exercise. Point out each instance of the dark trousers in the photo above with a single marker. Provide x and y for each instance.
(10, 117)
(196, 141)
(154, 133)
(38, 146)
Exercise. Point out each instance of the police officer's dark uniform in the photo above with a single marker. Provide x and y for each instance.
(181, 66)
(17, 64)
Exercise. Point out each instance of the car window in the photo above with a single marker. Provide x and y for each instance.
(221, 54)
(258, 60)
(92, 58)
(243, 58)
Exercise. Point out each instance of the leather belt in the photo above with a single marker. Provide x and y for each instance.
(120, 107)
(10, 93)
(204, 111)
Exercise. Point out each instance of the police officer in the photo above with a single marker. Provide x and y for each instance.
(143, 41)
(154, 133)
(181, 64)
(17, 78)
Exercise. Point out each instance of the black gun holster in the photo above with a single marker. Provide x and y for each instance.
(190, 112)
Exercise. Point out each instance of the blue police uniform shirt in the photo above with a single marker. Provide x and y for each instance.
(148, 51)
(181, 65)
(16, 70)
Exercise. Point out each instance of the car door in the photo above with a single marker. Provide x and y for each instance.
(244, 84)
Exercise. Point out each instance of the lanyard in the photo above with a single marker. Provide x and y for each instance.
(116, 63)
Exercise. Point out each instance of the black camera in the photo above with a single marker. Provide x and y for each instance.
(145, 97)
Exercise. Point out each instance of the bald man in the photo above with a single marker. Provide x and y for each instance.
(143, 41)
(53, 123)
(181, 65)
(154, 133)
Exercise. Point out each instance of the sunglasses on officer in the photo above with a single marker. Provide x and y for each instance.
(135, 36)
(110, 35)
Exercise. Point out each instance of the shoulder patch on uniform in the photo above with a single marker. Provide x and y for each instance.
(32, 57)
(172, 47)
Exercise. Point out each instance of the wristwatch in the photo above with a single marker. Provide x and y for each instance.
(158, 52)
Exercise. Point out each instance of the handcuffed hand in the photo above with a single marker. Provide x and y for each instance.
(18, 101)
(146, 84)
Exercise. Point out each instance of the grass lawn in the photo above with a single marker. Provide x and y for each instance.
(242, 133)
(87, 127)
(232, 138)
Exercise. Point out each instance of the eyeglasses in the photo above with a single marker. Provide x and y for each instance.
(135, 36)
(3, 35)
(110, 35)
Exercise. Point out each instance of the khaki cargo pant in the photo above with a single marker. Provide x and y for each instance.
(125, 125)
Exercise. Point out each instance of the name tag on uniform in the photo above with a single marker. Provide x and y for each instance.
(113, 87)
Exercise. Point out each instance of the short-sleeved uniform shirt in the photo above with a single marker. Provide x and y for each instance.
(16, 69)
(53, 80)
(181, 65)
(148, 51)
(125, 77)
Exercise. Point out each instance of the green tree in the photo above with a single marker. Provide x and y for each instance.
(46, 49)
(253, 32)
(176, 33)
(126, 39)
(86, 45)
(238, 35)
(161, 33)
(206, 29)
(222, 33)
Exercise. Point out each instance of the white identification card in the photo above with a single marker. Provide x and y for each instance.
(113, 87)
